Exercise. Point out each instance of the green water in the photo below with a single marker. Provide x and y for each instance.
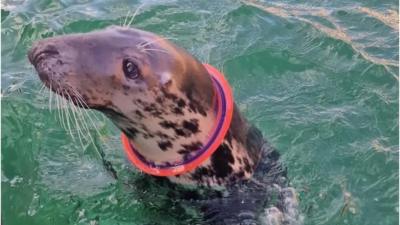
(319, 78)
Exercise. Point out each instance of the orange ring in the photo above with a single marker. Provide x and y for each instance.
(176, 170)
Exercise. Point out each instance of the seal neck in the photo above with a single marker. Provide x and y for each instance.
(223, 108)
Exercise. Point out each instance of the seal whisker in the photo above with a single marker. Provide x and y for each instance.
(41, 89)
(78, 128)
(80, 98)
(134, 15)
(155, 50)
(80, 115)
(75, 113)
(107, 164)
(42, 93)
(67, 116)
(71, 116)
(59, 111)
(88, 132)
(50, 97)
(147, 43)
(79, 110)
(83, 104)
(62, 115)
(63, 112)
(126, 18)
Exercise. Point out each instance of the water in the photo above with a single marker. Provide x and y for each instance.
(319, 78)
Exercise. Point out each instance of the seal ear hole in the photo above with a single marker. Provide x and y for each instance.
(130, 68)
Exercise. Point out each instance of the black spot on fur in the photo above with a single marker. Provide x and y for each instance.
(163, 136)
(200, 173)
(139, 114)
(192, 125)
(170, 96)
(168, 124)
(131, 132)
(197, 108)
(181, 103)
(192, 107)
(247, 166)
(221, 161)
(240, 174)
(153, 110)
(194, 146)
(202, 112)
(194, 104)
(180, 132)
(125, 87)
(159, 100)
(164, 145)
(146, 132)
(177, 111)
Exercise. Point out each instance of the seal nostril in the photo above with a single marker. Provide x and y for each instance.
(38, 52)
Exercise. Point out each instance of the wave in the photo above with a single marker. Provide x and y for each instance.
(335, 30)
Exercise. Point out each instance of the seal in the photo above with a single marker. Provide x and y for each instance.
(162, 99)
(160, 96)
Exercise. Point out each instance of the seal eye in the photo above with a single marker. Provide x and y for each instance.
(130, 69)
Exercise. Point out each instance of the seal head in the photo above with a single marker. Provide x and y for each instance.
(124, 60)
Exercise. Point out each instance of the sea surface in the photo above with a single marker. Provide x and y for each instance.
(319, 78)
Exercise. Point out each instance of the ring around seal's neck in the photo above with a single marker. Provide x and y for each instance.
(160, 96)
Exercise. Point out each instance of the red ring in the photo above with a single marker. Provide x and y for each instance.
(176, 170)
